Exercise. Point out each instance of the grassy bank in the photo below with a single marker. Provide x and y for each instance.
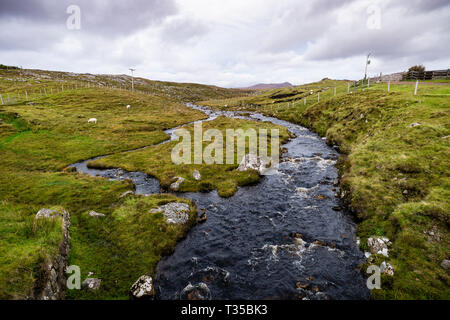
(394, 176)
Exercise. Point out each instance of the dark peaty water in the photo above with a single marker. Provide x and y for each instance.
(246, 249)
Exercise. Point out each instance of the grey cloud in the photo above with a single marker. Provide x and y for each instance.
(181, 30)
(113, 17)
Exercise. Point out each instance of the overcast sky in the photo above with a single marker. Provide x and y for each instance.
(229, 43)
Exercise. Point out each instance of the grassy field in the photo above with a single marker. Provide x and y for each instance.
(395, 178)
(42, 135)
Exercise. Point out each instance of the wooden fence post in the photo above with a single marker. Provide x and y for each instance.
(348, 88)
(26, 95)
(389, 86)
(1, 98)
(417, 86)
(335, 91)
(318, 97)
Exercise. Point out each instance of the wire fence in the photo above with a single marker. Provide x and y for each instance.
(22, 96)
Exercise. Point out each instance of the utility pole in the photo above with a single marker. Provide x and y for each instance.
(132, 79)
(367, 64)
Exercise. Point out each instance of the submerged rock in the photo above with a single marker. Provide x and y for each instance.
(143, 288)
(91, 284)
(199, 291)
(174, 212)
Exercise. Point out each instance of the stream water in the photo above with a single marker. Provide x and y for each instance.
(249, 247)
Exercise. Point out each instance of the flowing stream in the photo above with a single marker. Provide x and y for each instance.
(250, 248)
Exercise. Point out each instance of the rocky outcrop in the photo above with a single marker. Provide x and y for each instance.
(51, 278)
(378, 245)
(387, 268)
(174, 212)
(143, 288)
(176, 185)
(199, 291)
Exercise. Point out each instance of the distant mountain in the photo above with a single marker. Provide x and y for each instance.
(269, 86)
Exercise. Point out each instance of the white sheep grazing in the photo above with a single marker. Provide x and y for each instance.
(128, 107)
(92, 120)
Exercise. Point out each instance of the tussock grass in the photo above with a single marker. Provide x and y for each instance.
(156, 161)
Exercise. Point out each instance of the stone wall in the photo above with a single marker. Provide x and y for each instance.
(51, 279)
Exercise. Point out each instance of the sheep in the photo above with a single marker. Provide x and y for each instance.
(128, 107)
(92, 120)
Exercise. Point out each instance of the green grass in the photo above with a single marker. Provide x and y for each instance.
(156, 161)
(126, 244)
(396, 178)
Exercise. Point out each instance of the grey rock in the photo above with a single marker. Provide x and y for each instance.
(445, 264)
(176, 185)
(174, 212)
(91, 284)
(387, 268)
(253, 162)
(47, 213)
(96, 214)
(143, 288)
(378, 245)
(197, 176)
(415, 124)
